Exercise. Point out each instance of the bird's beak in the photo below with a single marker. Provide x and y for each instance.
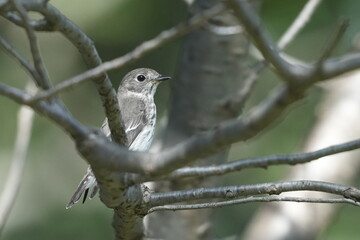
(162, 78)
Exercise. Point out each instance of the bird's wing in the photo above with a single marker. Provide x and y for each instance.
(134, 116)
(105, 128)
(87, 181)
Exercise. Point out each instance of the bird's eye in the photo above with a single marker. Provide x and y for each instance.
(140, 78)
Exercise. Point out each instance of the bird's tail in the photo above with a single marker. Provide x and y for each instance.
(86, 183)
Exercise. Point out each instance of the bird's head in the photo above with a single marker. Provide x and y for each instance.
(142, 80)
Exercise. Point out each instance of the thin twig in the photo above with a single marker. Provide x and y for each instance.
(233, 192)
(291, 73)
(138, 52)
(233, 103)
(251, 22)
(296, 26)
(332, 43)
(264, 162)
(21, 60)
(44, 82)
(299, 22)
(261, 162)
(14, 94)
(252, 200)
(287, 37)
(52, 111)
(12, 184)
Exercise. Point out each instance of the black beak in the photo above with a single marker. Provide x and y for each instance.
(162, 78)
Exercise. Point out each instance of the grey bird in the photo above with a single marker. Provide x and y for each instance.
(138, 111)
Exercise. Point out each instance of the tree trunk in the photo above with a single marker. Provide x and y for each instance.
(212, 69)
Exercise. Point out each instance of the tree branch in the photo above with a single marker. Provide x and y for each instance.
(236, 102)
(252, 200)
(289, 72)
(300, 21)
(37, 25)
(251, 22)
(20, 59)
(229, 192)
(261, 162)
(43, 81)
(51, 110)
(332, 43)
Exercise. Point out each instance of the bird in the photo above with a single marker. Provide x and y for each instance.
(138, 112)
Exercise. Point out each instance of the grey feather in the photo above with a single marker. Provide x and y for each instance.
(87, 181)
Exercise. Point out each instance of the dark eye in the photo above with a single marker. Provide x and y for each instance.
(140, 78)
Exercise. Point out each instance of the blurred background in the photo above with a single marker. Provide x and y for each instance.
(54, 168)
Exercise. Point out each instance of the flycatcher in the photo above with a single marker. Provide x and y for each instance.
(138, 111)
